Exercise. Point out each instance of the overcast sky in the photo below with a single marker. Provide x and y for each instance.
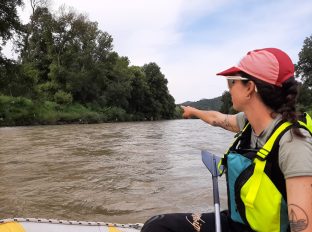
(192, 40)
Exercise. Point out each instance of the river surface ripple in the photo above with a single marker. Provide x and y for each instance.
(116, 172)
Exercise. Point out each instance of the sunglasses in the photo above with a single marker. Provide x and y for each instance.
(231, 80)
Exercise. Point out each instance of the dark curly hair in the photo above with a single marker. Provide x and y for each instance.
(281, 100)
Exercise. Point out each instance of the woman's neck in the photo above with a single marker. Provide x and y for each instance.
(259, 117)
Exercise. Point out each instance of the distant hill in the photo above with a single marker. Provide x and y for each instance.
(205, 104)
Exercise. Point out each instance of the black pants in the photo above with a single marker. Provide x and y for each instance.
(187, 222)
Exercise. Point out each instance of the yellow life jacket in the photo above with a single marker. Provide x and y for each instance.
(256, 185)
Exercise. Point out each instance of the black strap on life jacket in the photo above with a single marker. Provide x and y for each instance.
(272, 169)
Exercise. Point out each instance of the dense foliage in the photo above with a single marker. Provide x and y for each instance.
(67, 71)
(9, 20)
(304, 73)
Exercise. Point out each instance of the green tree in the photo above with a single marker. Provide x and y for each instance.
(161, 103)
(305, 96)
(119, 84)
(82, 59)
(226, 106)
(66, 53)
(37, 53)
(304, 72)
(9, 25)
(34, 4)
(140, 94)
(304, 65)
(9, 20)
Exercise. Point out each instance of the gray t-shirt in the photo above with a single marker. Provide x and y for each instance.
(295, 154)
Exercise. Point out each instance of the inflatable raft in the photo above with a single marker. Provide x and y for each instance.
(52, 225)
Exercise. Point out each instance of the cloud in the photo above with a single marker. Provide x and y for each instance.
(192, 40)
(231, 36)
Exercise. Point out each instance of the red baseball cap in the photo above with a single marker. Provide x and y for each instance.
(270, 65)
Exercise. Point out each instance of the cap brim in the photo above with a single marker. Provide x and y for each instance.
(229, 72)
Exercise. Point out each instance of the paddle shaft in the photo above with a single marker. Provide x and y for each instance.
(216, 202)
(211, 161)
(216, 199)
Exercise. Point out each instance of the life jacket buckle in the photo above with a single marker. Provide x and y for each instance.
(262, 154)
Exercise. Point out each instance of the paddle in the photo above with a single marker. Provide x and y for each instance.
(211, 162)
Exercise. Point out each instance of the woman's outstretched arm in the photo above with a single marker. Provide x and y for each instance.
(214, 118)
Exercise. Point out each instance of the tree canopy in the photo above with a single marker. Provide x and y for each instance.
(304, 73)
(9, 20)
(66, 60)
(9, 25)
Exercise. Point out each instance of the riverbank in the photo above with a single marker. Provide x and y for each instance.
(20, 111)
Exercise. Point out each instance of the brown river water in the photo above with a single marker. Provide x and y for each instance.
(112, 172)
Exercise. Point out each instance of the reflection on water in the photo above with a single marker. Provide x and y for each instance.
(118, 172)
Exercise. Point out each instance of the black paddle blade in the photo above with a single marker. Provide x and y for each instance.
(211, 161)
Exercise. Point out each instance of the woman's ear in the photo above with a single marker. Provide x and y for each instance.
(251, 88)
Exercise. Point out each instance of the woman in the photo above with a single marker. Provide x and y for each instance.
(269, 166)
